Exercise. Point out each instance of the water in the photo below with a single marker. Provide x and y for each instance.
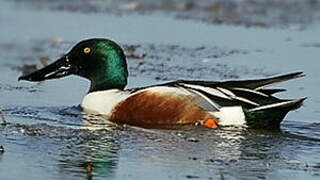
(48, 137)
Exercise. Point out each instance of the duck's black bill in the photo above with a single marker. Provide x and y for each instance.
(58, 69)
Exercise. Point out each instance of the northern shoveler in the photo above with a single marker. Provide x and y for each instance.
(208, 103)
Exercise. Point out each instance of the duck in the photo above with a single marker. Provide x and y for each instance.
(212, 104)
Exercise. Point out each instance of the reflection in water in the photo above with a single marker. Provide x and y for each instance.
(94, 151)
(75, 144)
(94, 155)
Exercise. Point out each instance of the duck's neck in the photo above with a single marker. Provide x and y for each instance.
(104, 86)
(111, 74)
(114, 79)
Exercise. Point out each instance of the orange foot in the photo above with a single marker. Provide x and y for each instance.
(210, 123)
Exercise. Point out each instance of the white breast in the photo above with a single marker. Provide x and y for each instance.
(102, 102)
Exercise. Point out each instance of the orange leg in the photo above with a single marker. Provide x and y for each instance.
(210, 123)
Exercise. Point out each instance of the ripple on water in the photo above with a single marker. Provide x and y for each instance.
(75, 144)
(61, 142)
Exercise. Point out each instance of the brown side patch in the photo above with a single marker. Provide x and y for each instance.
(149, 108)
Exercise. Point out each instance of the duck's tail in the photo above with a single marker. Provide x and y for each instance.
(270, 116)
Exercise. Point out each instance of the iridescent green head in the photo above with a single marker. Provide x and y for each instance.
(102, 61)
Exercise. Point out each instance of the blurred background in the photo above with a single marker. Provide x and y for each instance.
(48, 137)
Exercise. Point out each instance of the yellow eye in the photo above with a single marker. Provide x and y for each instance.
(87, 50)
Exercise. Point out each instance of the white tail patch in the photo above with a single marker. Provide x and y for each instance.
(232, 115)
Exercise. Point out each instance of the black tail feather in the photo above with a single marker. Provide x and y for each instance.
(271, 91)
(260, 83)
(270, 116)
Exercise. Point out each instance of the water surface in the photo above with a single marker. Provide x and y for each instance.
(48, 137)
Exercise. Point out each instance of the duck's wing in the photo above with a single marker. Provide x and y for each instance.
(247, 93)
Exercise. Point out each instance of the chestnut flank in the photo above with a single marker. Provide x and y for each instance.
(149, 108)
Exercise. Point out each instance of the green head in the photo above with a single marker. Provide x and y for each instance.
(102, 61)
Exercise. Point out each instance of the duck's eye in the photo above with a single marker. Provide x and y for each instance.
(87, 50)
